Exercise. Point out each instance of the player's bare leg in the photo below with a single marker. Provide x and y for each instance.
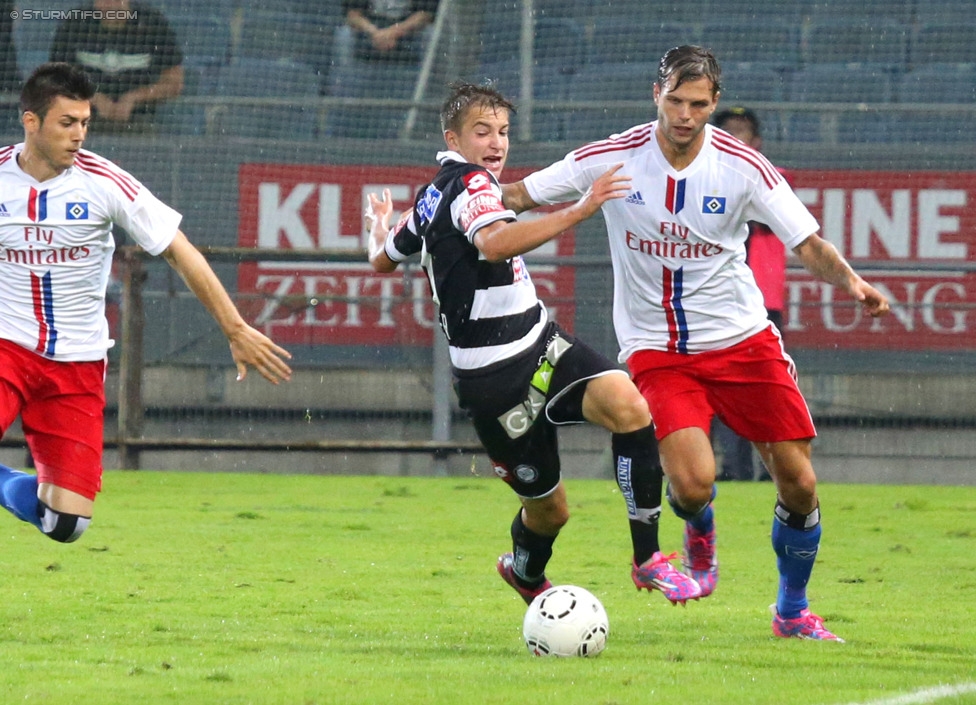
(689, 464)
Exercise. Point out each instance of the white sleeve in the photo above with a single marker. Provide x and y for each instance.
(565, 180)
(149, 221)
(784, 213)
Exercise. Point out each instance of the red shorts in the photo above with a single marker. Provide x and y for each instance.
(61, 407)
(751, 386)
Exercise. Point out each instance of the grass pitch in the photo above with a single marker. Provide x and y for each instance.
(222, 588)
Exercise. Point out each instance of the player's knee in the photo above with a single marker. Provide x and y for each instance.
(62, 526)
(629, 413)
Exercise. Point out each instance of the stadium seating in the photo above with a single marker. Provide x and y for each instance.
(881, 42)
(944, 11)
(373, 81)
(746, 84)
(600, 84)
(623, 41)
(768, 42)
(278, 34)
(205, 40)
(264, 78)
(953, 84)
(175, 117)
(776, 10)
(944, 42)
(840, 83)
(897, 10)
(557, 43)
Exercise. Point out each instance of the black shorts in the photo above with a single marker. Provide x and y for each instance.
(516, 406)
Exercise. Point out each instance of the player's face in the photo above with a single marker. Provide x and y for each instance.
(57, 138)
(683, 112)
(483, 138)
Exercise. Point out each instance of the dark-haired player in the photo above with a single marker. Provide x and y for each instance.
(59, 205)
(690, 320)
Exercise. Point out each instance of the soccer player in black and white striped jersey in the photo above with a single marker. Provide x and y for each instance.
(516, 372)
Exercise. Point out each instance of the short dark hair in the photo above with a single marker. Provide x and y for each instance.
(465, 96)
(689, 63)
(48, 81)
(737, 112)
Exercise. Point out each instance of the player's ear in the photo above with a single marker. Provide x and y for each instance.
(451, 139)
(31, 121)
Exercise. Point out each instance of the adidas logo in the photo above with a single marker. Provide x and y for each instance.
(4, 213)
(635, 198)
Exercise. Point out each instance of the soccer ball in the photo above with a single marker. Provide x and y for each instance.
(566, 621)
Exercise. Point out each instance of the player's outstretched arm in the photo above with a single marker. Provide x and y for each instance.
(516, 197)
(504, 240)
(377, 217)
(823, 260)
(248, 346)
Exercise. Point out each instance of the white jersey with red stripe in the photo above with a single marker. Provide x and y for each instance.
(56, 250)
(677, 241)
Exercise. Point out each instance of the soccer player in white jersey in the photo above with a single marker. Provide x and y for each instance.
(689, 317)
(58, 204)
(517, 372)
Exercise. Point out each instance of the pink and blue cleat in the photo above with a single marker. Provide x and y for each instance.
(657, 573)
(699, 560)
(806, 626)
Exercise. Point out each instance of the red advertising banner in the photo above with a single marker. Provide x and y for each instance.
(307, 207)
(902, 220)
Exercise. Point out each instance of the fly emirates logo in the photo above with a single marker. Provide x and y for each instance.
(37, 249)
(673, 244)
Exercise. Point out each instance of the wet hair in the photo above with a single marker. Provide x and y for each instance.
(465, 96)
(689, 63)
(739, 113)
(48, 81)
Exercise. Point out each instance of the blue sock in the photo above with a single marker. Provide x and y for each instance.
(703, 520)
(796, 551)
(18, 495)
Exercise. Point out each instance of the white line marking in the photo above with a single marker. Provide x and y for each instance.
(927, 695)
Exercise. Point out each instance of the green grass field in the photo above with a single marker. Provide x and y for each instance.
(223, 588)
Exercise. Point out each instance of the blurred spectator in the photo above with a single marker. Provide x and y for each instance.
(9, 77)
(766, 257)
(388, 30)
(132, 56)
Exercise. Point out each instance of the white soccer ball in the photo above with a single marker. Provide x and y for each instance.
(566, 621)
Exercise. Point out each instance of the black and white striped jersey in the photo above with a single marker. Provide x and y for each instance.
(489, 310)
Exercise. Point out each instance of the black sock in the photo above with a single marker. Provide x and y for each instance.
(532, 552)
(640, 479)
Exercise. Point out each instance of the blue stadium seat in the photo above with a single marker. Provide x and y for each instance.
(880, 42)
(204, 40)
(765, 41)
(276, 34)
(30, 59)
(557, 43)
(549, 84)
(776, 10)
(950, 84)
(944, 42)
(599, 84)
(263, 78)
(621, 41)
(840, 84)
(373, 81)
(174, 117)
(944, 11)
(897, 10)
(746, 83)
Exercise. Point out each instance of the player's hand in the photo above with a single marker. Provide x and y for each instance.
(251, 347)
(608, 186)
(874, 302)
(379, 210)
(385, 39)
